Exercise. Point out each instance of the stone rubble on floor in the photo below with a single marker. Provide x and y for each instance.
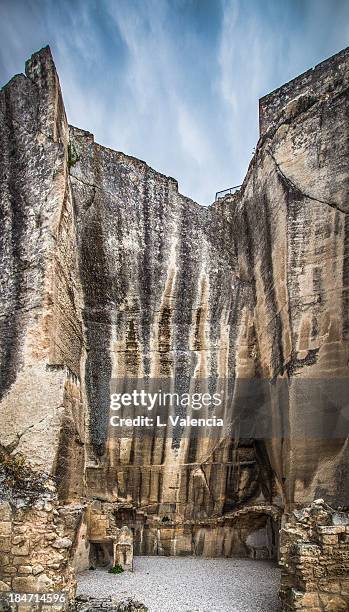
(84, 603)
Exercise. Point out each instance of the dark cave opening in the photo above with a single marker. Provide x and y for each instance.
(101, 554)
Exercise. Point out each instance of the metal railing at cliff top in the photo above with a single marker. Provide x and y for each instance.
(224, 192)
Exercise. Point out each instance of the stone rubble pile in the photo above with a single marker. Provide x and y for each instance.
(108, 604)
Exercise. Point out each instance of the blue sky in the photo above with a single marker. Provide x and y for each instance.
(174, 82)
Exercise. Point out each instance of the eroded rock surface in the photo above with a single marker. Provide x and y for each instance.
(107, 271)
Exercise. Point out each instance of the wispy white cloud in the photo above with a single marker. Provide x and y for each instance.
(157, 107)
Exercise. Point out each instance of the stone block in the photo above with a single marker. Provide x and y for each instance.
(4, 586)
(319, 572)
(44, 583)
(62, 543)
(5, 544)
(5, 511)
(24, 584)
(334, 603)
(330, 539)
(308, 550)
(18, 561)
(25, 569)
(327, 586)
(310, 600)
(330, 530)
(9, 570)
(4, 560)
(54, 557)
(20, 550)
(334, 586)
(5, 528)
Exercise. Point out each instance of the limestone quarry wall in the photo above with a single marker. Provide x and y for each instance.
(159, 301)
(294, 251)
(41, 336)
(108, 272)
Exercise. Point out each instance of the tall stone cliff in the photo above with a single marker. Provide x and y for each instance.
(108, 272)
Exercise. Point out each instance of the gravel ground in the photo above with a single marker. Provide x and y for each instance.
(188, 584)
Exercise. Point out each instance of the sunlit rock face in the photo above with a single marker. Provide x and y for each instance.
(294, 249)
(41, 334)
(108, 272)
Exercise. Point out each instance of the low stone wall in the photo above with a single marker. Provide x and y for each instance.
(314, 557)
(35, 551)
(36, 533)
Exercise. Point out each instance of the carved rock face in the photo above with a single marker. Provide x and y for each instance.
(108, 272)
